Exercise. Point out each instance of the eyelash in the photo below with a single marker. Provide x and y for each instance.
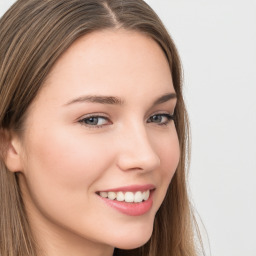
(91, 126)
(167, 116)
(83, 121)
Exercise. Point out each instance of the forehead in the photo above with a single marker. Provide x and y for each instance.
(111, 62)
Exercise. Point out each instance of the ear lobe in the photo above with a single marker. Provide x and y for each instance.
(12, 157)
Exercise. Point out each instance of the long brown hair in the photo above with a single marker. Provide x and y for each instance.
(33, 35)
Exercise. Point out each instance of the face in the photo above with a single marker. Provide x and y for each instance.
(100, 147)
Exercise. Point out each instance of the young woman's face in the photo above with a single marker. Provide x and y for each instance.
(101, 126)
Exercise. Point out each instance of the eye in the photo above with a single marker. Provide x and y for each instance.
(95, 121)
(161, 119)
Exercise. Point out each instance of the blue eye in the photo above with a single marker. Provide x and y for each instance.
(96, 121)
(161, 119)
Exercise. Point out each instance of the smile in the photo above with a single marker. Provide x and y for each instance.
(128, 197)
(135, 200)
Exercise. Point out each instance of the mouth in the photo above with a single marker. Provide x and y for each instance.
(131, 200)
(128, 197)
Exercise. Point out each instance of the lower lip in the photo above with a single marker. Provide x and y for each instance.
(131, 209)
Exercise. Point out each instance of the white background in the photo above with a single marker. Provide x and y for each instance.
(217, 45)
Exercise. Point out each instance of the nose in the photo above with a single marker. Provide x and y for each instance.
(136, 151)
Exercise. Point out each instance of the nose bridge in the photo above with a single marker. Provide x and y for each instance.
(136, 149)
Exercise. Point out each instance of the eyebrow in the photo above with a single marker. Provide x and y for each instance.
(97, 99)
(165, 98)
(111, 100)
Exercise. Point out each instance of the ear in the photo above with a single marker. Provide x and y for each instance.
(11, 151)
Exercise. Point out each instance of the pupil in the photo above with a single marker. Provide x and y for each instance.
(157, 119)
(92, 120)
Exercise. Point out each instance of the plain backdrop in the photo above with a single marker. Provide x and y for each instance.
(217, 44)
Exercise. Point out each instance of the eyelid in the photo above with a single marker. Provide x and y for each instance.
(163, 112)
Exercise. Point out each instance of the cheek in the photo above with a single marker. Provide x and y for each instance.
(59, 164)
(170, 157)
(168, 150)
(60, 176)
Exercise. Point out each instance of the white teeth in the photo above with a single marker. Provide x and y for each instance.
(120, 196)
(129, 197)
(138, 197)
(111, 195)
(104, 194)
(146, 195)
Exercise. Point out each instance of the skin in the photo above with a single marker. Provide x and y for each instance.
(63, 162)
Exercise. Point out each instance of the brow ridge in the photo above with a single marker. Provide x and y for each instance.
(165, 98)
(113, 100)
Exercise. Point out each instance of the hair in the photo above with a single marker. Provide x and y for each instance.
(33, 35)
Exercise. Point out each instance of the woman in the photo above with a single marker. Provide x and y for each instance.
(93, 132)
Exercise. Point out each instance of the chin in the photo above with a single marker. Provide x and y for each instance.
(133, 240)
(133, 244)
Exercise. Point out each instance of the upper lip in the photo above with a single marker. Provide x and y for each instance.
(131, 188)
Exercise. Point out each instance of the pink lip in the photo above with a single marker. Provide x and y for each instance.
(131, 209)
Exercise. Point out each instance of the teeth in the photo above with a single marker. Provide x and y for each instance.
(104, 194)
(120, 196)
(138, 197)
(111, 195)
(146, 195)
(129, 197)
